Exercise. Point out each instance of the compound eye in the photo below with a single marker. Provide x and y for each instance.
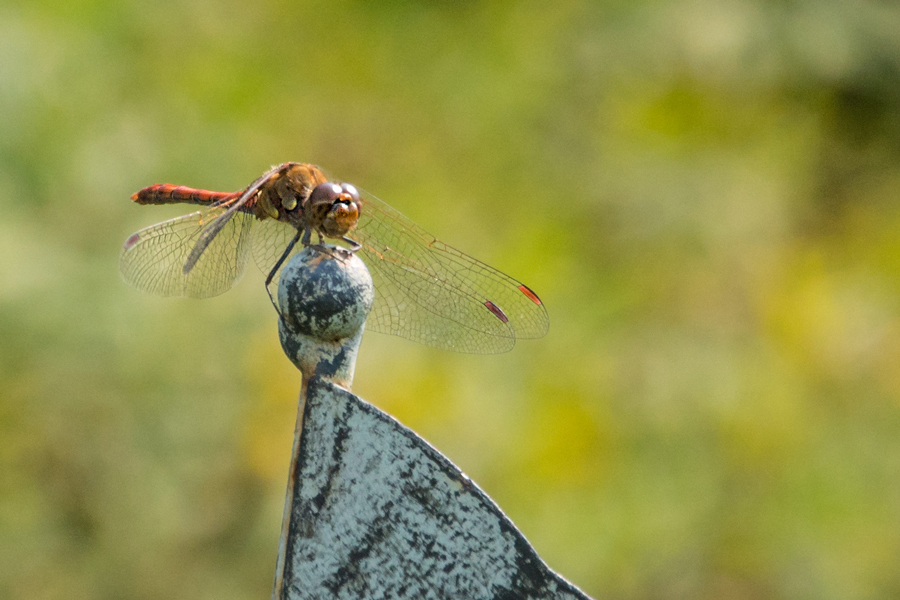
(325, 192)
(350, 189)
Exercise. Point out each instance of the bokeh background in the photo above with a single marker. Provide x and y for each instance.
(703, 192)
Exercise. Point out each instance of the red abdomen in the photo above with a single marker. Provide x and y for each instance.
(166, 193)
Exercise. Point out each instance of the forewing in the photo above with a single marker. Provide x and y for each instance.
(153, 259)
(431, 293)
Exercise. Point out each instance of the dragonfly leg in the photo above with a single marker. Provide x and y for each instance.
(354, 245)
(287, 252)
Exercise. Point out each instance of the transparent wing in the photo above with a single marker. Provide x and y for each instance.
(270, 239)
(432, 293)
(425, 290)
(153, 259)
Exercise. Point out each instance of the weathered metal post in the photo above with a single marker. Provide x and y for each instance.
(324, 299)
(372, 510)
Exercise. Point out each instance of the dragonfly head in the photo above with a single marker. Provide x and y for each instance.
(333, 208)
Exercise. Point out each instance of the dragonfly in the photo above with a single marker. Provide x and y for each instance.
(426, 290)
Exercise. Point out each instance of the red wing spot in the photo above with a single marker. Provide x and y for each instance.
(531, 295)
(132, 240)
(498, 312)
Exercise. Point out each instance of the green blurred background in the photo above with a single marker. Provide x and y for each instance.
(703, 192)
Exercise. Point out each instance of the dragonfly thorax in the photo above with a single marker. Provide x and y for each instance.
(284, 194)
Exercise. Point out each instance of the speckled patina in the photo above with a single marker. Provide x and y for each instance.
(379, 513)
(325, 294)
